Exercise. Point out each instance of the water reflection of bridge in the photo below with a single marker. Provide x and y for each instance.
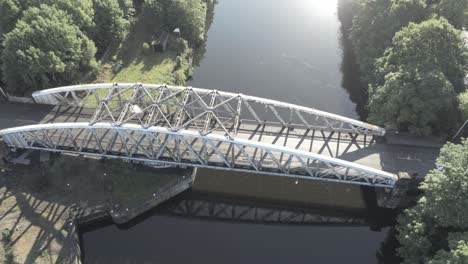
(210, 207)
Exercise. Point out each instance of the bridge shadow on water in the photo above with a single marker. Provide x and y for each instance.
(39, 216)
(225, 212)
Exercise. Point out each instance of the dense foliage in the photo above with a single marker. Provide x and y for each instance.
(55, 42)
(454, 10)
(374, 26)
(418, 77)
(9, 13)
(188, 15)
(81, 12)
(436, 229)
(463, 104)
(46, 49)
(377, 21)
(38, 53)
(111, 24)
(412, 55)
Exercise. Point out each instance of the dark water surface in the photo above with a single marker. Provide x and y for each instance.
(161, 239)
(284, 50)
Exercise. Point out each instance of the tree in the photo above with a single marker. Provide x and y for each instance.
(188, 15)
(375, 24)
(128, 9)
(420, 102)
(466, 17)
(44, 50)
(9, 14)
(446, 192)
(458, 250)
(463, 104)
(81, 11)
(435, 230)
(156, 10)
(452, 10)
(111, 24)
(418, 77)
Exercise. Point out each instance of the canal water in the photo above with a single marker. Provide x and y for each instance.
(293, 51)
(283, 50)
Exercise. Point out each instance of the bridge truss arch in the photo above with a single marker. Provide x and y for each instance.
(187, 108)
(190, 148)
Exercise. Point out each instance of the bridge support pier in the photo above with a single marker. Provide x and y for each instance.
(166, 191)
(4, 151)
(398, 196)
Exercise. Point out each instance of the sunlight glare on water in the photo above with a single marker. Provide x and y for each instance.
(321, 7)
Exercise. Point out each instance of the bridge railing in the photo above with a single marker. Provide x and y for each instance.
(192, 108)
(190, 148)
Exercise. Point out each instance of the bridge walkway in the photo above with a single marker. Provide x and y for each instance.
(361, 149)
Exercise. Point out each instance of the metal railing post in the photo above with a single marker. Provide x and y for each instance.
(461, 128)
(2, 93)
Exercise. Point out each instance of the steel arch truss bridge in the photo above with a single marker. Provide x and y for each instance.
(187, 108)
(190, 148)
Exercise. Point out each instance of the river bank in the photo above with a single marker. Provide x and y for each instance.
(290, 51)
(43, 205)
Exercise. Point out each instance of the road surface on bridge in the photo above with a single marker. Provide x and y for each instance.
(363, 150)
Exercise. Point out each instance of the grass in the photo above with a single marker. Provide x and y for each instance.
(154, 68)
(6, 238)
(143, 65)
(140, 64)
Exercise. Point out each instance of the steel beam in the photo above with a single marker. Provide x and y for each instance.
(184, 147)
(228, 109)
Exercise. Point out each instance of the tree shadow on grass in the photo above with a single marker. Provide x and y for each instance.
(141, 63)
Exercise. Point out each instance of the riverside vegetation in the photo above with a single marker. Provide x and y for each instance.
(48, 43)
(413, 56)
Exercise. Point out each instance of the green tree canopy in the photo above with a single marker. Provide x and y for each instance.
(10, 11)
(457, 251)
(81, 11)
(110, 21)
(463, 104)
(418, 77)
(377, 21)
(375, 24)
(44, 50)
(431, 45)
(416, 101)
(446, 192)
(440, 218)
(188, 15)
(452, 10)
(128, 9)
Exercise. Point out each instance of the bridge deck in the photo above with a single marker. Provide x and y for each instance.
(360, 149)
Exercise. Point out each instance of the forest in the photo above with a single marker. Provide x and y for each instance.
(50, 43)
(413, 56)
